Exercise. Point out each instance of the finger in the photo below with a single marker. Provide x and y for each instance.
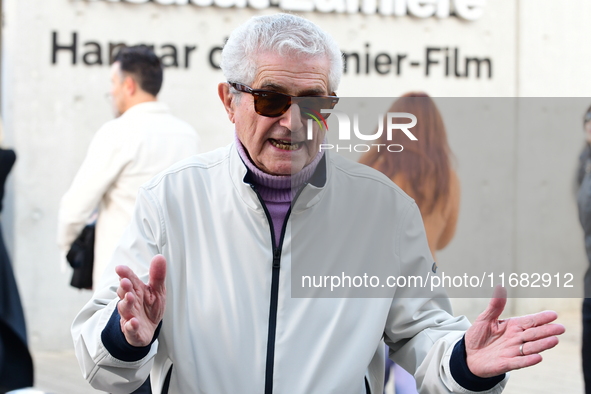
(157, 273)
(536, 319)
(547, 330)
(121, 292)
(132, 332)
(125, 272)
(125, 286)
(523, 362)
(539, 345)
(496, 304)
(125, 306)
(131, 327)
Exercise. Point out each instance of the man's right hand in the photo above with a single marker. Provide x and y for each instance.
(142, 305)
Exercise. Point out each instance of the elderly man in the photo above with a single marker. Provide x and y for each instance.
(203, 299)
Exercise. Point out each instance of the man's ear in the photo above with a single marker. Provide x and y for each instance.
(227, 99)
(130, 85)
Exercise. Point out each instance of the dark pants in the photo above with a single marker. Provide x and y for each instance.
(587, 344)
(16, 365)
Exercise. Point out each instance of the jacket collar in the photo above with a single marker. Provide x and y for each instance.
(309, 196)
(147, 107)
(316, 187)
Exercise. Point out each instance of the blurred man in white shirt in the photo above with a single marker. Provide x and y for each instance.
(126, 152)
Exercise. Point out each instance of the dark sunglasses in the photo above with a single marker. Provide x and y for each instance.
(273, 104)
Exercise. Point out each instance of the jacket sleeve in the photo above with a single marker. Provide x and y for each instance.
(420, 330)
(103, 163)
(141, 241)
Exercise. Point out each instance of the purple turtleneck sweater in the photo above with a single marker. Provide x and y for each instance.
(277, 191)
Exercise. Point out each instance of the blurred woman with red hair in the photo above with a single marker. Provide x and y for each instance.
(423, 169)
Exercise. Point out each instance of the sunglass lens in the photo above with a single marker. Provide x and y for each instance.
(271, 104)
(314, 105)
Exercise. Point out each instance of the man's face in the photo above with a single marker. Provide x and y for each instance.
(267, 139)
(117, 90)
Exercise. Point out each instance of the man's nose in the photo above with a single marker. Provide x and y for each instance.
(292, 118)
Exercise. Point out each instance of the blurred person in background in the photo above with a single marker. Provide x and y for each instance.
(16, 365)
(584, 205)
(423, 170)
(126, 152)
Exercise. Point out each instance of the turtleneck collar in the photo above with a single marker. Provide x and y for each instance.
(276, 188)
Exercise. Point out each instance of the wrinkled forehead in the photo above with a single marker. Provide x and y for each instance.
(294, 71)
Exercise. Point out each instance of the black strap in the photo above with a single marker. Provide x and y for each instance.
(167, 381)
(367, 388)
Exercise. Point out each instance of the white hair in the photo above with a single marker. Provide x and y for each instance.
(284, 34)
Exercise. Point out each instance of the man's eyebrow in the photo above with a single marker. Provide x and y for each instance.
(280, 89)
(272, 86)
(313, 92)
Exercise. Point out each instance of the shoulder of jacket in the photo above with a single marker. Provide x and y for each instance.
(357, 172)
(127, 131)
(179, 123)
(202, 165)
(110, 129)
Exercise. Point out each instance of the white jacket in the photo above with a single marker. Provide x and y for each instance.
(124, 154)
(217, 329)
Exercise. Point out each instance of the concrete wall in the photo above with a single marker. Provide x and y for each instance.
(517, 198)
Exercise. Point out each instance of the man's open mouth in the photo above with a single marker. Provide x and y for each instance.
(285, 145)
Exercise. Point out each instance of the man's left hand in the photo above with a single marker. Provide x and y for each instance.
(495, 346)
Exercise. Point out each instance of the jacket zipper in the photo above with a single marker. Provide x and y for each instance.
(270, 361)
